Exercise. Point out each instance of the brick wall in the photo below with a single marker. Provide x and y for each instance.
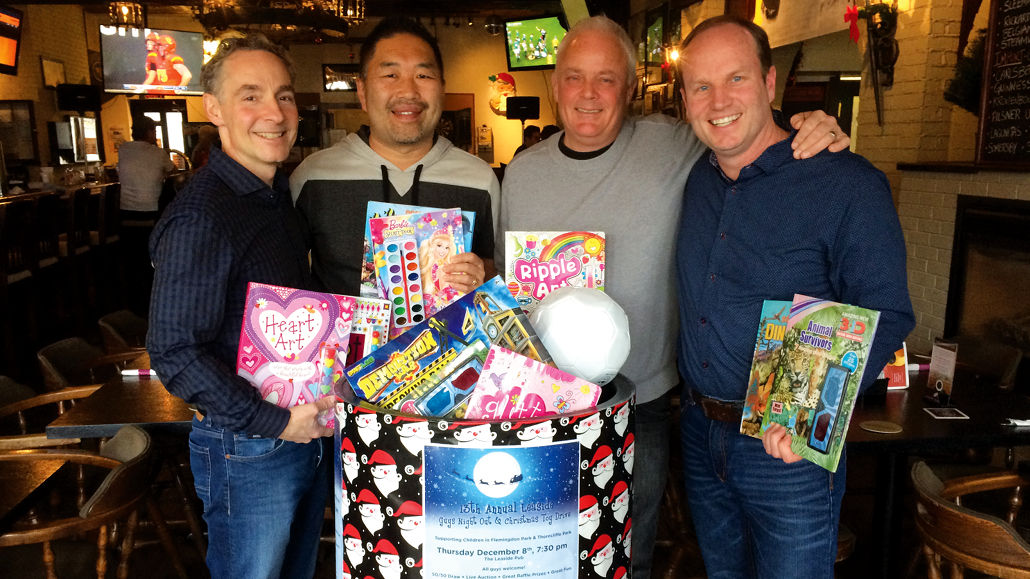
(57, 33)
(927, 212)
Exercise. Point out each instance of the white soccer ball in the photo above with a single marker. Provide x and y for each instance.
(585, 331)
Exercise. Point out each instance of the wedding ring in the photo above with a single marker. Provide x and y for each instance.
(834, 135)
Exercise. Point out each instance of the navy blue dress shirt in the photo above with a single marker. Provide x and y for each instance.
(824, 227)
(225, 229)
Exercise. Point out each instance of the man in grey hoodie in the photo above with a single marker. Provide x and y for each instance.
(397, 158)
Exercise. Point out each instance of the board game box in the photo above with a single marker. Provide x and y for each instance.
(432, 368)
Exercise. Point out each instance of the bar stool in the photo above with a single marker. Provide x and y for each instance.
(18, 277)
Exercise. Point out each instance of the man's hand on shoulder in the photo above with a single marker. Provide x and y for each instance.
(776, 441)
(303, 426)
(817, 131)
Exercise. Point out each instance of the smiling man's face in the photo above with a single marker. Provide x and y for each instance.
(402, 92)
(592, 90)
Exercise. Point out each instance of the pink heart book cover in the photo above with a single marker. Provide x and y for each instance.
(512, 386)
(290, 341)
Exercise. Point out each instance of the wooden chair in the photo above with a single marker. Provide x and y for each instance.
(22, 422)
(123, 331)
(963, 538)
(117, 498)
(75, 362)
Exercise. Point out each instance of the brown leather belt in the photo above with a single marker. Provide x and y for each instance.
(717, 409)
(200, 417)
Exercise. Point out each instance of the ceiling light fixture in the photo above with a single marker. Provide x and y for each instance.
(283, 21)
(126, 14)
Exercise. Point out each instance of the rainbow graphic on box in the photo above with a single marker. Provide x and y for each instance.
(538, 262)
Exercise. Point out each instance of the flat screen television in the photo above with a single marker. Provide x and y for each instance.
(532, 44)
(151, 60)
(10, 39)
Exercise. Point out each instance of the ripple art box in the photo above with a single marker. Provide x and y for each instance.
(283, 340)
(538, 262)
(409, 251)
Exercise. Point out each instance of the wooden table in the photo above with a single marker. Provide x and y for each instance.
(140, 401)
(146, 403)
(19, 480)
(986, 406)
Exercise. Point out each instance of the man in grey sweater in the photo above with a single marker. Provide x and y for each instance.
(624, 176)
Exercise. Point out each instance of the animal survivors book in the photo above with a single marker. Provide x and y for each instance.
(821, 363)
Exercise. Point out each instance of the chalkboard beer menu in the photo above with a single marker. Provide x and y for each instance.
(1004, 138)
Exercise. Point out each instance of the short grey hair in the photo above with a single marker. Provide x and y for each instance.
(605, 25)
(210, 73)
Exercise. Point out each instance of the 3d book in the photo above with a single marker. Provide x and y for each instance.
(282, 339)
(512, 386)
(771, 328)
(409, 252)
(431, 369)
(822, 360)
(537, 262)
(369, 288)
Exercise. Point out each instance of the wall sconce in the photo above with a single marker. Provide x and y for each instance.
(126, 14)
(881, 26)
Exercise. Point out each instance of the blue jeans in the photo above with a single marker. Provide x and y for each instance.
(650, 468)
(754, 515)
(264, 500)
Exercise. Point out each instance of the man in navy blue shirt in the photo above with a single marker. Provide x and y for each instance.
(259, 469)
(756, 225)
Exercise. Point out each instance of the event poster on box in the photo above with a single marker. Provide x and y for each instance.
(501, 512)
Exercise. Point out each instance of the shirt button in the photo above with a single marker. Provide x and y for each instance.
(704, 364)
(722, 235)
(703, 321)
(712, 277)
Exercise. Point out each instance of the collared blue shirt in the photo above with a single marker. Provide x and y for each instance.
(225, 229)
(824, 227)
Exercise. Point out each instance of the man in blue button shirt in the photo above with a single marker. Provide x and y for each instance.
(259, 469)
(756, 225)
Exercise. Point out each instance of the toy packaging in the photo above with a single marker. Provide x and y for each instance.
(773, 325)
(369, 287)
(822, 361)
(370, 328)
(538, 262)
(409, 252)
(282, 339)
(432, 368)
(512, 386)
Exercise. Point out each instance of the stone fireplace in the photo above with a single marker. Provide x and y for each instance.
(991, 275)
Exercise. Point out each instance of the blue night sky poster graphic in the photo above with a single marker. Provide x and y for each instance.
(501, 511)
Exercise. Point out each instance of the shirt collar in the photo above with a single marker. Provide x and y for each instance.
(770, 159)
(240, 180)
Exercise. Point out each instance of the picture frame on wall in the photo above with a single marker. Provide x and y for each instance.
(340, 77)
(654, 44)
(53, 72)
